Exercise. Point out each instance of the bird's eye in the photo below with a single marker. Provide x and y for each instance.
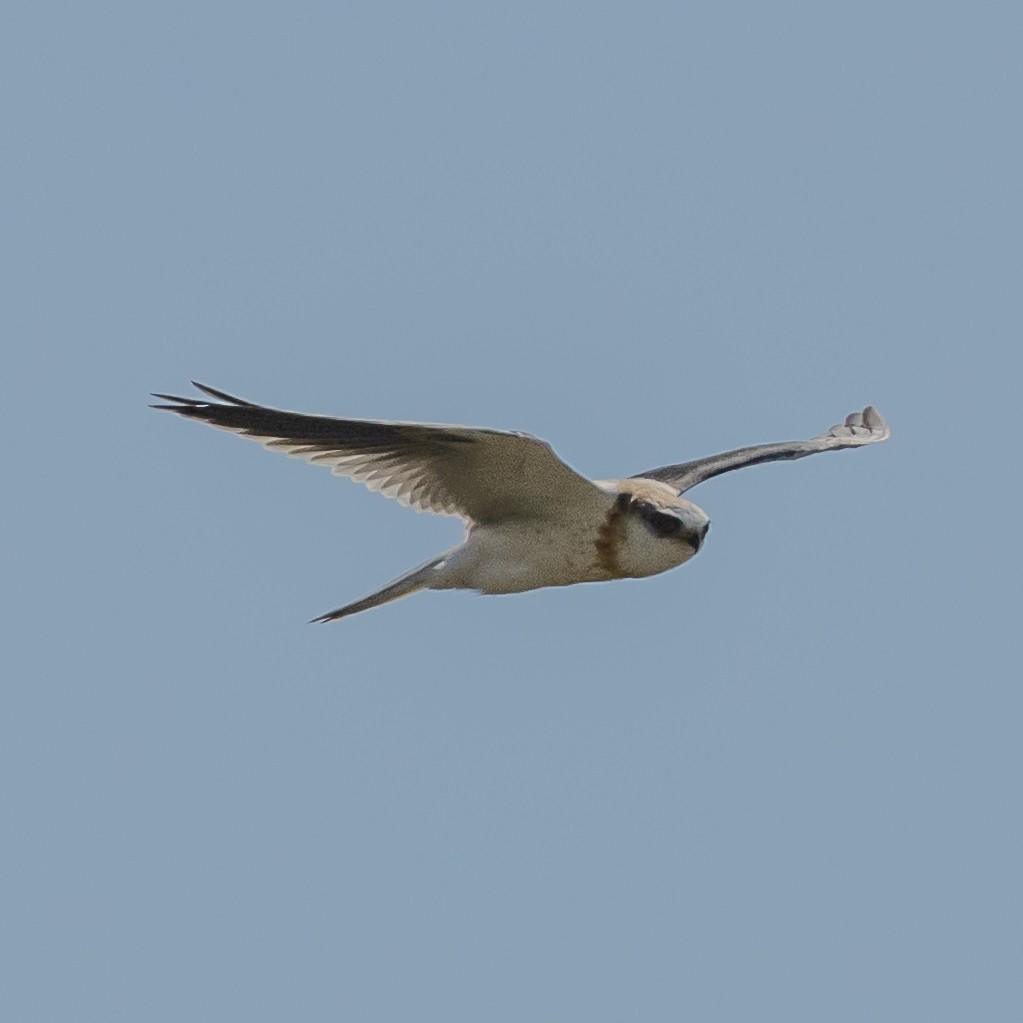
(662, 523)
(666, 525)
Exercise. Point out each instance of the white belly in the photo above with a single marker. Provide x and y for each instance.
(521, 556)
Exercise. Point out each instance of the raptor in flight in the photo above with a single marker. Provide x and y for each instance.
(531, 520)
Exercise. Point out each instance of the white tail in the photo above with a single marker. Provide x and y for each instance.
(411, 582)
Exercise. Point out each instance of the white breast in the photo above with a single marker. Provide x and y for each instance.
(513, 557)
(518, 556)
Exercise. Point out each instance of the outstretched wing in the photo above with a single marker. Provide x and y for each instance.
(859, 428)
(480, 475)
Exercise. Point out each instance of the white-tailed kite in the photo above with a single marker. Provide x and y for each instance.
(531, 520)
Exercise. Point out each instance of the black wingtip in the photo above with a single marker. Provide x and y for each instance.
(190, 406)
(323, 619)
(333, 616)
(220, 395)
(177, 399)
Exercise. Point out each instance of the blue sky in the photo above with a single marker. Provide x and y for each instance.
(780, 783)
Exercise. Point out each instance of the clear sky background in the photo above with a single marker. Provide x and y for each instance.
(779, 783)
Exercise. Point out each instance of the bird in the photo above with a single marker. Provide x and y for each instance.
(531, 520)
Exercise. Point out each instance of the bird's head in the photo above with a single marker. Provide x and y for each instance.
(667, 516)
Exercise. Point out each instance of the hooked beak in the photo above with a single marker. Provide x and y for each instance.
(695, 537)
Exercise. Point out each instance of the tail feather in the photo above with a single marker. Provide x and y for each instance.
(411, 582)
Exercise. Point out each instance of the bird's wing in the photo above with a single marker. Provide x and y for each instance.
(859, 428)
(480, 475)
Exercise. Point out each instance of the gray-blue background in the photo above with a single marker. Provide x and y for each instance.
(781, 783)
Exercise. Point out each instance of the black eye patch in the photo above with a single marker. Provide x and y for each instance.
(661, 523)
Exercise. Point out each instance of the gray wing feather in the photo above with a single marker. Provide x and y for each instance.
(480, 475)
(859, 428)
